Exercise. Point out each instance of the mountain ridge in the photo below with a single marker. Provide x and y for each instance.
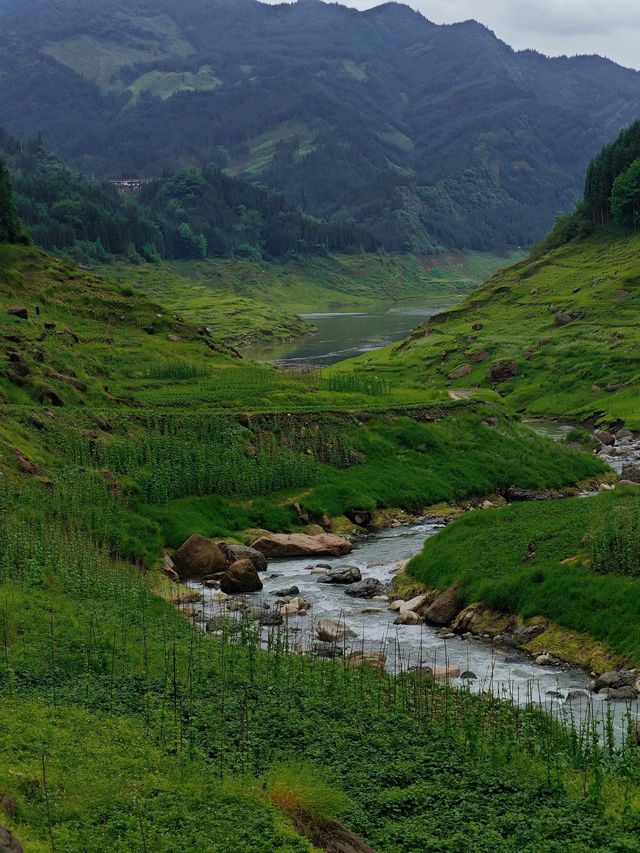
(433, 136)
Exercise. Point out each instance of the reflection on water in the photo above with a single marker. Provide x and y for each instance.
(348, 334)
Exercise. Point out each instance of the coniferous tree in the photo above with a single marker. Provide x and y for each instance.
(10, 229)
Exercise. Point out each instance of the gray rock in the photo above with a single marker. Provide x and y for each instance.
(333, 631)
(631, 472)
(515, 493)
(241, 577)
(234, 552)
(286, 593)
(445, 607)
(576, 695)
(367, 588)
(620, 693)
(342, 575)
(615, 679)
(270, 618)
(469, 676)
(504, 370)
(605, 437)
(8, 842)
(326, 650)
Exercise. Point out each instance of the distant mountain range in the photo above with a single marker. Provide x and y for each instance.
(430, 136)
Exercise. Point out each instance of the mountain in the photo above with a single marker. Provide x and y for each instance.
(557, 334)
(187, 215)
(431, 136)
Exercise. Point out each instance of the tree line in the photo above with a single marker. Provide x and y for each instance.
(186, 215)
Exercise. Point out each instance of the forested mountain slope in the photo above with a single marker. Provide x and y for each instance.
(430, 135)
(186, 215)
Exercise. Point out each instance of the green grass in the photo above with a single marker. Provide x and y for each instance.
(99, 59)
(588, 369)
(156, 736)
(245, 302)
(164, 84)
(489, 552)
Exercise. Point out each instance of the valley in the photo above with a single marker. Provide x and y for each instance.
(319, 477)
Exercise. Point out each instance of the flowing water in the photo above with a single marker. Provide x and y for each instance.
(501, 671)
(342, 335)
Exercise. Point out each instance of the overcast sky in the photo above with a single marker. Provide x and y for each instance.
(555, 27)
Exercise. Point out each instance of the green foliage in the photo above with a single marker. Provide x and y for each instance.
(189, 215)
(615, 547)
(625, 196)
(10, 228)
(298, 791)
(490, 553)
(614, 159)
(360, 132)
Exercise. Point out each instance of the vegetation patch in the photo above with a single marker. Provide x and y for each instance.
(522, 560)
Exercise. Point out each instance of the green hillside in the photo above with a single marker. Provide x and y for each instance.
(557, 336)
(125, 429)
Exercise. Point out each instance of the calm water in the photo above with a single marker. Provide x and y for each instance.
(343, 335)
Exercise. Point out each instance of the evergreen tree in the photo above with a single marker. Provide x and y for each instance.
(625, 196)
(10, 228)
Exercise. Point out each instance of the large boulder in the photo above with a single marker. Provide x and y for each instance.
(282, 545)
(333, 631)
(616, 679)
(605, 437)
(631, 473)
(366, 657)
(445, 607)
(342, 575)
(241, 577)
(459, 372)
(367, 588)
(8, 842)
(504, 370)
(235, 552)
(199, 557)
(19, 311)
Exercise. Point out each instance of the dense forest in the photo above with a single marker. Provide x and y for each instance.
(10, 228)
(429, 136)
(190, 214)
(611, 194)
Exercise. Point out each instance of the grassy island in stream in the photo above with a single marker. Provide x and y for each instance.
(575, 562)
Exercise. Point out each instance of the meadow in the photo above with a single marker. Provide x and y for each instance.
(563, 325)
(123, 430)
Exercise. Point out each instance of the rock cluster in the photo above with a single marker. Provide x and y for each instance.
(234, 568)
(621, 684)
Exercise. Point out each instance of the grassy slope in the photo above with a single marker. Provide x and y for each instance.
(111, 684)
(586, 369)
(488, 551)
(243, 301)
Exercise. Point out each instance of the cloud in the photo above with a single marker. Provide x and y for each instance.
(610, 28)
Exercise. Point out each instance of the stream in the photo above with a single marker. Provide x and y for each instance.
(505, 672)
